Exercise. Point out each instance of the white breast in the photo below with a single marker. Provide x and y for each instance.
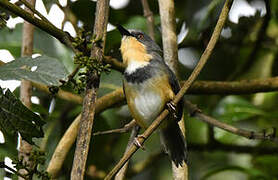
(148, 104)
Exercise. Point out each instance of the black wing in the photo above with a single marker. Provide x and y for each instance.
(176, 88)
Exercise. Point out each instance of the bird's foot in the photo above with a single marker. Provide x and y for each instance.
(172, 108)
(137, 142)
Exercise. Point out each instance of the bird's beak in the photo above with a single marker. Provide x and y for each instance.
(123, 31)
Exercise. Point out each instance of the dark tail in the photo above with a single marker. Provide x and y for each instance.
(174, 143)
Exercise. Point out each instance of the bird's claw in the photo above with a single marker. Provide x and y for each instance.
(172, 109)
(137, 142)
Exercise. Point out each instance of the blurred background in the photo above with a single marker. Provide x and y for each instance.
(247, 49)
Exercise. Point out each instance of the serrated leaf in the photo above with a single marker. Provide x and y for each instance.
(15, 117)
(43, 69)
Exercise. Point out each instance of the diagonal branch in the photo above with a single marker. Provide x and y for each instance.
(124, 129)
(179, 96)
(150, 24)
(194, 111)
(122, 172)
(66, 142)
(64, 37)
(35, 11)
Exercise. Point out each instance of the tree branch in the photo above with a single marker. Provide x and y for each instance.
(90, 99)
(179, 96)
(198, 87)
(32, 8)
(206, 54)
(26, 90)
(62, 36)
(196, 112)
(69, 137)
(124, 129)
(121, 174)
(150, 24)
(149, 16)
(170, 53)
(234, 87)
(169, 40)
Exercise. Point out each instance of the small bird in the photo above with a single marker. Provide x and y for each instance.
(149, 85)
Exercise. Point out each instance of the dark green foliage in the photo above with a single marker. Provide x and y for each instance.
(38, 159)
(16, 118)
(47, 70)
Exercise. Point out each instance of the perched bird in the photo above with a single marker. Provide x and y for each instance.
(149, 86)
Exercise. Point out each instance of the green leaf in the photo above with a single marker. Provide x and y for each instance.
(8, 148)
(15, 117)
(49, 3)
(49, 71)
(235, 108)
(87, 14)
(10, 39)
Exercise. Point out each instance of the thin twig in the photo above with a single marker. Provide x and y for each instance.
(196, 112)
(124, 129)
(178, 97)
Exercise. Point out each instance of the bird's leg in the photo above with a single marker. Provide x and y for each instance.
(172, 108)
(137, 142)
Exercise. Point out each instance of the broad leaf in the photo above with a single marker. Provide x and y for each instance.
(43, 69)
(234, 108)
(8, 148)
(15, 117)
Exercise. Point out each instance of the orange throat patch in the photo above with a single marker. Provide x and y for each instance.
(134, 52)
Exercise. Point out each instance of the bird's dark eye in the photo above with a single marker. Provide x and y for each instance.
(140, 36)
